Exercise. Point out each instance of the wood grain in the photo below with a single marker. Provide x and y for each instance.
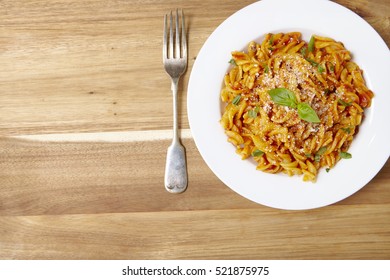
(95, 66)
(331, 233)
(51, 178)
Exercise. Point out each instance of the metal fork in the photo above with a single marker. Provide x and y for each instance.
(175, 64)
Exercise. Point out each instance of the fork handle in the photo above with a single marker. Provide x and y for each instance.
(176, 165)
(176, 169)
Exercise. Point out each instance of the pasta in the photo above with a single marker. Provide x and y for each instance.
(293, 106)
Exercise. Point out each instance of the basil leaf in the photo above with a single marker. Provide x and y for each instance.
(266, 68)
(232, 62)
(345, 155)
(236, 100)
(283, 96)
(303, 51)
(320, 68)
(321, 151)
(346, 129)
(257, 153)
(343, 103)
(314, 63)
(311, 44)
(252, 113)
(271, 40)
(305, 112)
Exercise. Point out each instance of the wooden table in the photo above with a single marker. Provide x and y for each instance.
(85, 121)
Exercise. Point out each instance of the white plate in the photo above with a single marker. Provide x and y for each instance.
(370, 148)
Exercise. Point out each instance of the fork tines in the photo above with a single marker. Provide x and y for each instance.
(174, 41)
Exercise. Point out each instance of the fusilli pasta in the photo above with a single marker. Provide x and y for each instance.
(293, 106)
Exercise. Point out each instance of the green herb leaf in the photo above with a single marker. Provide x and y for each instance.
(320, 68)
(236, 100)
(266, 68)
(271, 40)
(343, 103)
(232, 62)
(308, 155)
(314, 63)
(257, 153)
(303, 51)
(331, 68)
(311, 44)
(283, 96)
(327, 169)
(346, 130)
(321, 151)
(253, 113)
(307, 113)
(345, 155)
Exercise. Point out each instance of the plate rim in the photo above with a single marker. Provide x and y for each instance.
(264, 4)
